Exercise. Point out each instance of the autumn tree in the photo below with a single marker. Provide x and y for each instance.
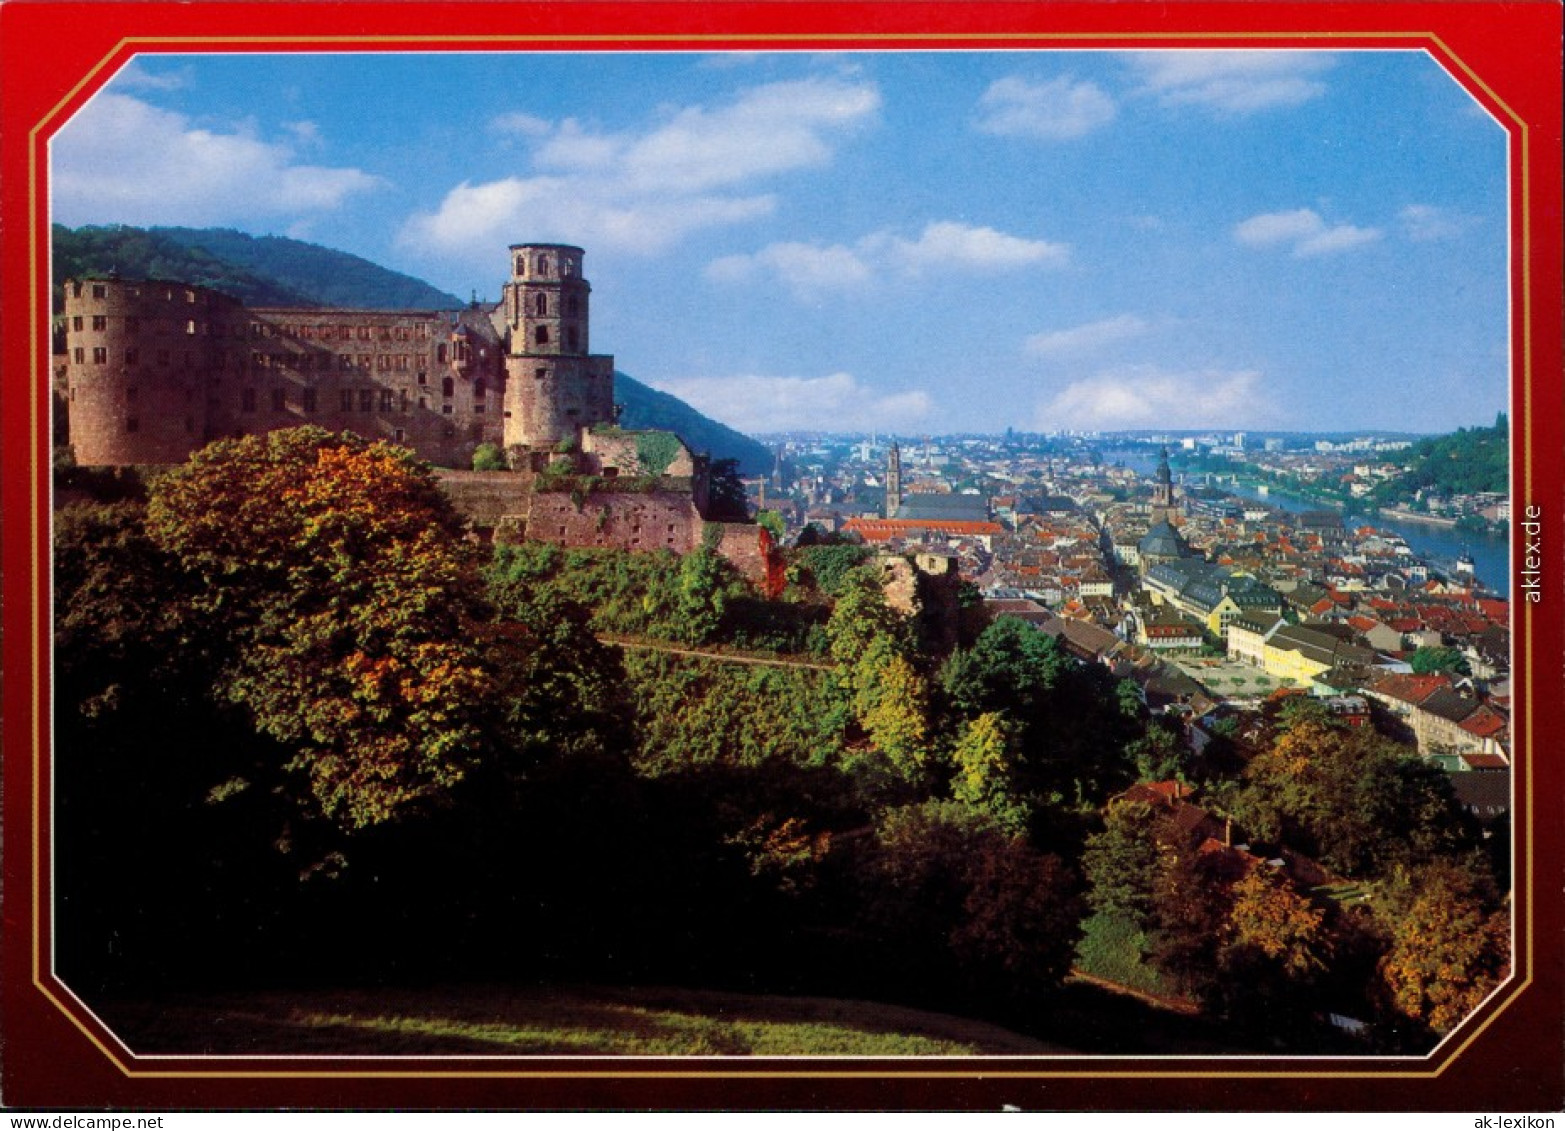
(1450, 946)
(349, 604)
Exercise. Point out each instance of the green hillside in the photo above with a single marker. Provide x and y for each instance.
(1466, 461)
(645, 407)
(275, 271)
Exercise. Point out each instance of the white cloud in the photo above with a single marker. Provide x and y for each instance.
(521, 123)
(803, 267)
(1424, 223)
(1233, 82)
(946, 243)
(838, 402)
(943, 244)
(121, 160)
(1304, 232)
(1088, 336)
(137, 77)
(643, 192)
(1146, 396)
(1054, 111)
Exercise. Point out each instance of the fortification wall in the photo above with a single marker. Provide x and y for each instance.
(488, 498)
(155, 370)
(659, 520)
(141, 365)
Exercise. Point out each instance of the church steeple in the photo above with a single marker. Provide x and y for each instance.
(1163, 489)
(893, 480)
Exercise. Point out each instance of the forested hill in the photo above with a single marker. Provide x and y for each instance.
(1463, 462)
(276, 271)
(259, 271)
(646, 407)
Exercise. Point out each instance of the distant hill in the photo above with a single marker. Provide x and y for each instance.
(275, 271)
(1466, 461)
(645, 407)
(259, 271)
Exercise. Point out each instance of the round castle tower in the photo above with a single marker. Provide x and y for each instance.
(142, 363)
(553, 386)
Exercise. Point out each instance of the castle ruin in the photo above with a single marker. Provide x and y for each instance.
(153, 370)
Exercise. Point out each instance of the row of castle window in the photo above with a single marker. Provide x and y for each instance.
(572, 337)
(367, 400)
(101, 290)
(417, 332)
(567, 266)
(541, 305)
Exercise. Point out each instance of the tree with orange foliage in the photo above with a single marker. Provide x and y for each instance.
(1450, 947)
(334, 568)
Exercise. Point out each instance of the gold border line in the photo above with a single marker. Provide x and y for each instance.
(1417, 1069)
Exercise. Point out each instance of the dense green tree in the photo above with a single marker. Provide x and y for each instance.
(1354, 800)
(953, 899)
(1120, 863)
(1428, 660)
(726, 497)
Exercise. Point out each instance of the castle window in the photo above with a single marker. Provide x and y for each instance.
(423, 378)
(423, 402)
(255, 329)
(543, 265)
(541, 304)
(347, 400)
(190, 296)
(344, 361)
(100, 355)
(247, 400)
(572, 305)
(100, 291)
(130, 357)
(279, 400)
(404, 400)
(542, 374)
(402, 363)
(521, 265)
(399, 435)
(364, 361)
(447, 387)
(572, 338)
(345, 332)
(541, 335)
(190, 326)
(364, 333)
(440, 353)
(383, 362)
(309, 400)
(366, 400)
(76, 323)
(385, 400)
(100, 322)
(80, 355)
(446, 409)
(76, 290)
(132, 424)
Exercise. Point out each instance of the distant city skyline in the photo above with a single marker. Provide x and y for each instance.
(910, 242)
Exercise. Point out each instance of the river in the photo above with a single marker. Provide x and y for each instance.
(1491, 553)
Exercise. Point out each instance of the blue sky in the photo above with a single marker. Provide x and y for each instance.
(912, 242)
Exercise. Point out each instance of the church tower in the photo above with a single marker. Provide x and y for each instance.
(553, 386)
(1163, 490)
(893, 480)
